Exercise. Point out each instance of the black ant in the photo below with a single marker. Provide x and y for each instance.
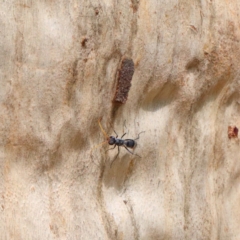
(119, 142)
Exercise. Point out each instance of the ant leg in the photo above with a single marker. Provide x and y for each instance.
(123, 135)
(114, 130)
(138, 135)
(131, 152)
(128, 150)
(111, 148)
(115, 133)
(124, 125)
(115, 157)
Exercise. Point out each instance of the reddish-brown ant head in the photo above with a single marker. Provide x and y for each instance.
(111, 140)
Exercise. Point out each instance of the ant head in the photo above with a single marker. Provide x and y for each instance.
(111, 140)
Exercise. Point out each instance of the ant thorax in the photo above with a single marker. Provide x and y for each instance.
(119, 142)
(115, 141)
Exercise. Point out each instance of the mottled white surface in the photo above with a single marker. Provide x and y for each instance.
(184, 95)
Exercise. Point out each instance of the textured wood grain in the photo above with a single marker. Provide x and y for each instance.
(58, 77)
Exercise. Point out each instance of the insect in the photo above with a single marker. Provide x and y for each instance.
(119, 142)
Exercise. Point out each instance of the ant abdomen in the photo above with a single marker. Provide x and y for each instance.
(130, 143)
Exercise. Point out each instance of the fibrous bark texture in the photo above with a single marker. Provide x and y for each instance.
(59, 68)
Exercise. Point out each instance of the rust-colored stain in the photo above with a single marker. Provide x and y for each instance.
(232, 132)
(96, 11)
(84, 41)
(124, 80)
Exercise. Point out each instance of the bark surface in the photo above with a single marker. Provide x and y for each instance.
(60, 63)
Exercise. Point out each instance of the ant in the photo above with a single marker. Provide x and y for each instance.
(119, 142)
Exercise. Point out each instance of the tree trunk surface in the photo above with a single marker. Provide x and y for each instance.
(168, 68)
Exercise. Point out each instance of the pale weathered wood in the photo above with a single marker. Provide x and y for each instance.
(58, 71)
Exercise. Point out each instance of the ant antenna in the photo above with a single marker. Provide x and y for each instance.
(100, 144)
(99, 123)
(124, 125)
(113, 130)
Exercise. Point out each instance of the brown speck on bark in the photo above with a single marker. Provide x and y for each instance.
(124, 79)
(232, 132)
(134, 5)
(84, 41)
(194, 63)
(193, 28)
